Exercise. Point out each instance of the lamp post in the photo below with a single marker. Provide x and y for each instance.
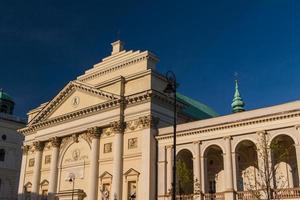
(171, 89)
(72, 180)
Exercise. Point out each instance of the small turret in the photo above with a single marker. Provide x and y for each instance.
(237, 102)
(6, 103)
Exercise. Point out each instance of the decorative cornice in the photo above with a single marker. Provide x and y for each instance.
(142, 123)
(94, 132)
(229, 125)
(38, 145)
(55, 142)
(126, 63)
(70, 116)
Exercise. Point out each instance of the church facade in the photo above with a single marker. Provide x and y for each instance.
(107, 135)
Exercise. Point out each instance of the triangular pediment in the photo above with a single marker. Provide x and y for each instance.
(131, 172)
(73, 97)
(106, 175)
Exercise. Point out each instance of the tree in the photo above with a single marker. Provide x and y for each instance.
(263, 179)
(184, 178)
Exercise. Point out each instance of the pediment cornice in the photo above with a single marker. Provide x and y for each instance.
(63, 94)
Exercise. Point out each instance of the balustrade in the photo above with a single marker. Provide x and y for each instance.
(214, 196)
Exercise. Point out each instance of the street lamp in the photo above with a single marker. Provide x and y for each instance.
(72, 180)
(171, 89)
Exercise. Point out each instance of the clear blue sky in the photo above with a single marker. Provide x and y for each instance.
(45, 44)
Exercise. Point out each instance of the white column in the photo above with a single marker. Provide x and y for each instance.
(169, 168)
(55, 142)
(203, 171)
(297, 147)
(229, 191)
(37, 169)
(22, 173)
(235, 170)
(117, 164)
(197, 167)
(94, 134)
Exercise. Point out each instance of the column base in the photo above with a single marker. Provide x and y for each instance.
(230, 195)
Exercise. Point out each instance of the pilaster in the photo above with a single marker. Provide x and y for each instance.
(94, 134)
(228, 169)
(25, 149)
(55, 144)
(38, 148)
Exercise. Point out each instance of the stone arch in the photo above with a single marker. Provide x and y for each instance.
(206, 146)
(246, 165)
(74, 159)
(68, 143)
(188, 148)
(284, 161)
(213, 169)
(273, 136)
(185, 171)
(238, 141)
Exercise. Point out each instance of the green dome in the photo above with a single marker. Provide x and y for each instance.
(5, 96)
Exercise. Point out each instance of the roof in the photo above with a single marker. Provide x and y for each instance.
(5, 96)
(195, 108)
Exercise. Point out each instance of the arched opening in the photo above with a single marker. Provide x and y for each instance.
(184, 172)
(246, 166)
(214, 170)
(284, 162)
(4, 109)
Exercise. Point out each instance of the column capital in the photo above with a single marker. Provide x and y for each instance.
(149, 121)
(55, 141)
(38, 145)
(197, 142)
(261, 133)
(297, 126)
(227, 137)
(94, 132)
(117, 126)
(25, 149)
(169, 146)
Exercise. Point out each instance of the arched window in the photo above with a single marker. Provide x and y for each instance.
(2, 154)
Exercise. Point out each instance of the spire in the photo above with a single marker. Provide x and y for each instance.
(237, 102)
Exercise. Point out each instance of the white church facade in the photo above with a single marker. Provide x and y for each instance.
(108, 135)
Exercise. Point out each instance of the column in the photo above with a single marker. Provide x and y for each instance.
(169, 168)
(117, 162)
(55, 143)
(297, 148)
(22, 172)
(94, 134)
(203, 171)
(38, 146)
(235, 170)
(197, 168)
(229, 191)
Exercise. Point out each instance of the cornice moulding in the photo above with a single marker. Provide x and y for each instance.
(229, 125)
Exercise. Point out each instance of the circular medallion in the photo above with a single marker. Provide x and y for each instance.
(75, 101)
